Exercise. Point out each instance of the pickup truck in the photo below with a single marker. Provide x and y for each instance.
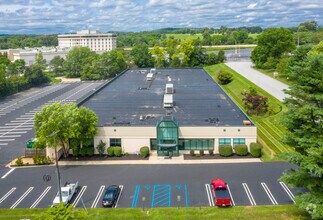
(68, 190)
(220, 193)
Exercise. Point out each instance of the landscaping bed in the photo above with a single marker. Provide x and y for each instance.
(103, 158)
(214, 157)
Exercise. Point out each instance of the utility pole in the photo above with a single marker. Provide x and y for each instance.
(57, 168)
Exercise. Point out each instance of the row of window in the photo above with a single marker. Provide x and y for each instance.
(190, 144)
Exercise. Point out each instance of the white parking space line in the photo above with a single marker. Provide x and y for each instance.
(3, 144)
(11, 136)
(209, 194)
(250, 197)
(269, 194)
(77, 199)
(14, 128)
(232, 201)
(40, 197)
(22, 197)
(7, 194)
(287, 190)
(25, 123)
(20, 121)
(10, 171)
(96, 200)
(121, 188)
(15, 132)
(6, 139)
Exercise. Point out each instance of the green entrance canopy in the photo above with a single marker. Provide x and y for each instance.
(167, 137)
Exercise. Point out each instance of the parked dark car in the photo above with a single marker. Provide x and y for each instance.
(110, 196)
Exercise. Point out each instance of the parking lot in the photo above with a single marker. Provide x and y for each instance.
(163, 190)
(17, 113)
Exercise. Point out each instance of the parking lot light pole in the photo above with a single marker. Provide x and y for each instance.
(57, 168)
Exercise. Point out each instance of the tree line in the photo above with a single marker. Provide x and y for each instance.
(21, 41)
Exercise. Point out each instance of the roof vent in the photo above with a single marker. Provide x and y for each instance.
(246, 122)
(150, 76)
(153, 71)
(169, 79)
(141, 118)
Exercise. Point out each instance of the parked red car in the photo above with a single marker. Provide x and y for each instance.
(220, 193)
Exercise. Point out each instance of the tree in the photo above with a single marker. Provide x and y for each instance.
(187, 49)
(68, 121)
(101, 147)
(221, 56)
(171, 46)
(308, 26)
(56, 65)
(304, 123)
(3, 81)
(159, 54)
(141, 56)
(254, 102)
(212, 59)
(272, 43)
(35, 76)
(40, 61)
(225, 77)
(76, 59)
(198, 57)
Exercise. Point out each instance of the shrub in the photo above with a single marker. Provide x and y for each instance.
(110, 151)
(76, 151)
(19, 162)
(83, 151)
(90, 151)
(225, 150)
(241, 149)
(126, 154)
(211, 152)
(144, 151)
(255, 149)
(201, 152)
(40, 159)
(101, 147)
(192, 153)
(224, 77)
(117, 151)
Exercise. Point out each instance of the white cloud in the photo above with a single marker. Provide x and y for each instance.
(252, 6)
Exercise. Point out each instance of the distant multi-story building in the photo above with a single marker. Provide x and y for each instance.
(96, 41)
(29, 54)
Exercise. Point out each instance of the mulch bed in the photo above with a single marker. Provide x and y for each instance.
(102, 158)
(215, 156)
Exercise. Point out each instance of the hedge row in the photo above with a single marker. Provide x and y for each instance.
(84, 151)
(114, 151)
(226, 150)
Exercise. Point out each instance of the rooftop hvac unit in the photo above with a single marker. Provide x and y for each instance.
(168, 100)
(150, 76)
(169, 88)
(153, 70)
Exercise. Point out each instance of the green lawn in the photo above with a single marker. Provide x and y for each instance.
(270, 73)
(184, 37)
(270, 131)
(280, 212)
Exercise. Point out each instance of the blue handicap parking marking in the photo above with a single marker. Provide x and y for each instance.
(160, 195)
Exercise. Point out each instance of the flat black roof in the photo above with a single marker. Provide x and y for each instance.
(131, 100)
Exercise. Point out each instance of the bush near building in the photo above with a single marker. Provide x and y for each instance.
(19, 162)
(90, 151)
(225, 150)
(144, 151)
(83, 151)
(41, 159)
(225, 77)
(110, 151)
(117, 151)
(255, 149)
(241, 149)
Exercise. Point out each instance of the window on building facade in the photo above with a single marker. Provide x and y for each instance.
(224, 141)
(196, 144)
(115, 142)
(239, 141)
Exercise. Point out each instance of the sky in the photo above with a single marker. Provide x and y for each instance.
(65, 16)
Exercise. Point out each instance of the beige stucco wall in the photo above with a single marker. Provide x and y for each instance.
(132, 138)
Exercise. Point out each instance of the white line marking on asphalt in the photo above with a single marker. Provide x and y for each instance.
(3, 144)
(28, 122)
(121, 188)
(7, 194)
(232, 201)
(21, 198)
(77, 199)
(15, 132)
(287, 190)
(12, 127)
(40, 197)
(246, 188)
(11, 136)
(96, 200)
(10, 171)
(269, 194)
(6, 139)
(209, 194)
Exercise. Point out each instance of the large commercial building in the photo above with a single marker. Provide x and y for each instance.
(29, 54)
(98, 42)
(169, 110)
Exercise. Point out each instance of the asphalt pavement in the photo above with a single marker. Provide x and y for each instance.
(148, 186)
(270, 85)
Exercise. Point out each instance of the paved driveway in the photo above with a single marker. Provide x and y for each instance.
(270, 85)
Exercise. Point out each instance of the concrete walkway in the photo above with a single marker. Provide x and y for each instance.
(270, 85)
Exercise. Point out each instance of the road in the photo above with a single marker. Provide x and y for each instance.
(17, 113)
(149, 186)
(270, 85)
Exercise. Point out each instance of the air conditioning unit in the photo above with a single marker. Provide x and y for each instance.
(169, 88)
(150, 76)
(168, 100)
